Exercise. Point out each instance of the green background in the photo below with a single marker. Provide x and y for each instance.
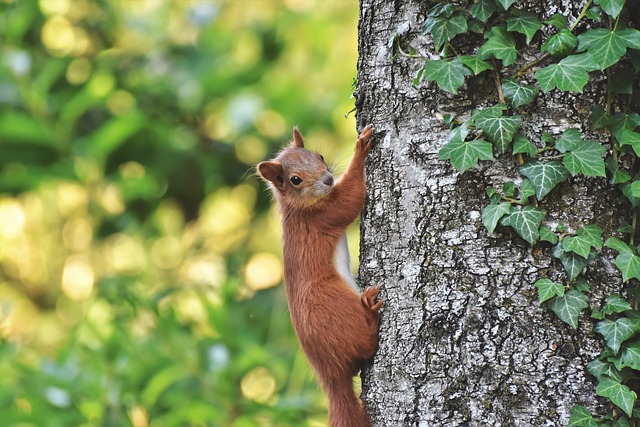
(140, 272)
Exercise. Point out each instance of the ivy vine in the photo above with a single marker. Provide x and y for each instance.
(565, 62)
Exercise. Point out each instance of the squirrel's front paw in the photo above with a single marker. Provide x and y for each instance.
(364, 140)
(368, 299)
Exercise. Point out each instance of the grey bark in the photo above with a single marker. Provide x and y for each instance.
(463, 339)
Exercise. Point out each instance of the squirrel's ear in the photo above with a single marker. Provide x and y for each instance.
(272, 172)
(297, 139)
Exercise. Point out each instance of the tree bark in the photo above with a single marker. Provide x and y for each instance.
(463, 339)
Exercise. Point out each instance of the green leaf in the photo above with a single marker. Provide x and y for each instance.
(618, 393)
(526, 190)
(598, 369)
(437, 12)
(525, 221)
(506, 3)
(618, 176)
(445, 28)
(580, 417)
(558, 20)
(611, 7)
(547, 235)
(524, 23)
(449, 75)
(483, 9)
(586, 159)
(509, 188)
(465, 154)
(593, 233)
(492, 214)
(518, 95)
(501, 45)
(500, 129)
(626, 261)
(629, 357)
(560, 44)
(628, 191)
(548, 289)
(599, 118)
(616, 304)
(629, 137)
(635, 189)
(570, 74)
(571, 261)
(621, 121)
(569, 140)
(544, 175)
(476, 64)
(607, 47)
(577, 244)
(616, 332)
(521, 144)
(568, 307)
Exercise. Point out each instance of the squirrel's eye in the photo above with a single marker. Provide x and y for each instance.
(322, 157)
(296, 180)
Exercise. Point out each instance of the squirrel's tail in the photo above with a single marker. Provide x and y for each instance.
(345, 409)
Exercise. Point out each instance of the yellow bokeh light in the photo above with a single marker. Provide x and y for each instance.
(58, 36)
(121, 102)
(79, 71)
(204, 270)
(12, 218)
(263, 271)
(215, 126)
(77, 278)
(258, 385)
(247, 49)
(250, 150)
(54, 7)
(101, 85)
(71, 197)
(166, 252)
(125, 254)
(139, 416)
(271, 124)
(110, 199)
(132, 170)
(77, 233)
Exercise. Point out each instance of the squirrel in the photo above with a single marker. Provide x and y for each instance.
(337, 327)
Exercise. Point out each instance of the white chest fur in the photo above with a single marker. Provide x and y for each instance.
(342, 262)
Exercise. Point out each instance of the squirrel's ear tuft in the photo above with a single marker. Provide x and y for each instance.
(297, 139)
(272, 172)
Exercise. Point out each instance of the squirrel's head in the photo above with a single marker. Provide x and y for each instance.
(297, 176)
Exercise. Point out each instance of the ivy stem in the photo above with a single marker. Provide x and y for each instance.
(634, 220)
(583, 13)
(409, 55)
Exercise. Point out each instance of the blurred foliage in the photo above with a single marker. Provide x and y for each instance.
(139, 256)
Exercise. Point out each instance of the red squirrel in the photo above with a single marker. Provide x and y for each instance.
(336, 326)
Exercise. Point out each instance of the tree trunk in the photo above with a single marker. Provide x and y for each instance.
(463, 338)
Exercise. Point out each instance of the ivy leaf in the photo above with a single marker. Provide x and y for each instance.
(606, 46)
(577, 244)
(626, 261)
(558, 20)
(598, 369)
(621, 121)
(526, 190)
(446, 28)
(616, 304)
(483, 9)
(611, 7)
(570, 74)
(525, 221)
(465, 154)
(568, 307)
(476, 64)
(500, 129)
(635, 189)
(436, 12)
(599, 117)
(518, 95)
(449, 75)
(586, 159)
(548, 289)
(501, 45)
(629, 357)
(581, 417)
(560, 44)
(569, 140)
(618, 176)
(521, 144)
(571, 261)
(506, 3)
(524, 23)
(544, 175)
(628, 190)
(547, 235)
(593, 234)
(492, 214)
(629, 137)
(615, 332)
(618, 393)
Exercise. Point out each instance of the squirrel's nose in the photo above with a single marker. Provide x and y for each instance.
(328, 180)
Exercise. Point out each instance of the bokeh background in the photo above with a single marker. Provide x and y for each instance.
(140, 271)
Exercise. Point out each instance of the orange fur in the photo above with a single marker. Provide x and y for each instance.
(337, 328)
